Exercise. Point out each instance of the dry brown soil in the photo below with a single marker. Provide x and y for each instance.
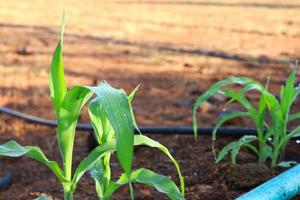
(175, 49)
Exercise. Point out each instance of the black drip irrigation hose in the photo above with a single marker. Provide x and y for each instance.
(185, 130)
(5, 180)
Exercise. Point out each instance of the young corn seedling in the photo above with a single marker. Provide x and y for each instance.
(272, 137)
(113, 121)
(67, 105)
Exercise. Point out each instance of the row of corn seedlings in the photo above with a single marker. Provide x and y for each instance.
(272, 135)
(113, 121)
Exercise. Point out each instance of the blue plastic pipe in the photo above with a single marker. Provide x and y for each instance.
(283, 186)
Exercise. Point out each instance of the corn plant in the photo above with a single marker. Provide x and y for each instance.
(67, 105)
(113, 121)
(272, 136)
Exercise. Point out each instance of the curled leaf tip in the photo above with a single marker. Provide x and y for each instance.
(62, 26)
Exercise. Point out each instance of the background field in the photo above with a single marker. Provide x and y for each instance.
(175, 49)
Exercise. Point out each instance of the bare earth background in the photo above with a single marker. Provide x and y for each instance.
(175, 49)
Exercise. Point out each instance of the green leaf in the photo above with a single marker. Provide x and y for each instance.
(216, 89)
(242, 100)
(296, 93)
(57, 83)
(144, 140)
(117, 109)
(67, 121)
(278, 110)
(294, 116)
(88, 162)
(94, 111)
(101, 173)
(67, 105)
(240, 143)
(132, 94)
(44, 197)
(287, 92)
(234, 148)
(145, 176)
(13, 149)
(274, 109)
(225, 118)
(260, 123)
(267, 152)
(258, 115)
(252, 148)
(240, 95)
(294, 133)
(99, 152)
(130, 98)
(261, 106)
(222, 120)
(224, 151)
(98, 174)
(101, 125)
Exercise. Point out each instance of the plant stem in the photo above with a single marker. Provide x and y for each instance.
(131, 191)
(261, 153)
(68, 193)
(68, 158)
(274, 158)
(68, 196)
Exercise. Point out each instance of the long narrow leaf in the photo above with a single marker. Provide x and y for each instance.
(216, 89)
(144, 140)
(222, 120)
(287, 92)
(145, 176)
(294, 133)
(57, 83)
(294, 116)
(88, 162)
(130, 98)
(67, 120)
(224, 151)
(101, 125)
(110, 147)
(234, 148)
(117, 109)
(226, 117)
(246, 139)
(101, 174)
(13, 149)
(133, 92)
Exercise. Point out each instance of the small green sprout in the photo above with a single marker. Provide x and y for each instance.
(272, 137)
(114, 124)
